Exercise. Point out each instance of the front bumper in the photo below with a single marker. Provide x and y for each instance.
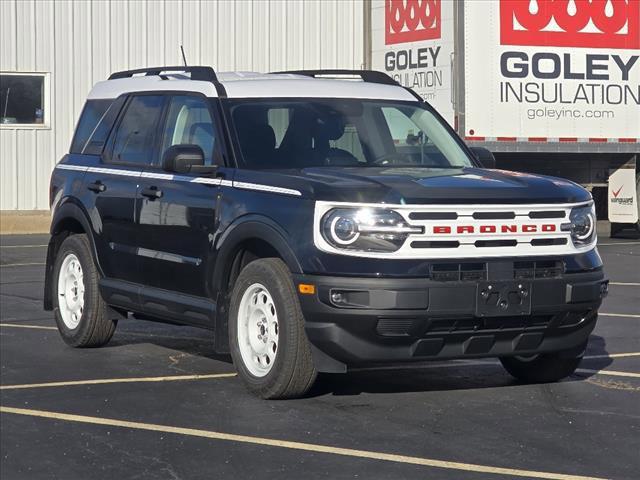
(389, 320)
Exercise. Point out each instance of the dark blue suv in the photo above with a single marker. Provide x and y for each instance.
(313, 221)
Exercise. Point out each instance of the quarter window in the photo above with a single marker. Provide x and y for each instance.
(22, 99)
(91, 115)
(134, 139)
(189, 122)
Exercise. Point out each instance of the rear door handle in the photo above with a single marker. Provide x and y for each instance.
(151, 192)
(97, 187)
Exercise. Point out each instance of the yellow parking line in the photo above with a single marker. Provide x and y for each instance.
(23, 246)
(608, 372)
(625, 284)
(618, 243)
(101, 381)
(21, 264)
(17, 325)
(309, 447)
(622, 315)
(613, 355)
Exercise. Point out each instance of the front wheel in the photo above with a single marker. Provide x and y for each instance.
(542, 368)
(266, 332)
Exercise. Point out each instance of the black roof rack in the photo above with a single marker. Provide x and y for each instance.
(206, 74)
(370, 76)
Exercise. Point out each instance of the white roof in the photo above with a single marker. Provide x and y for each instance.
(253, 85)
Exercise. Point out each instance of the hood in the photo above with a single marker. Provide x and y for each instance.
(433, 185)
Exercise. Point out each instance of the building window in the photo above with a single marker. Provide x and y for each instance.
(23, 99)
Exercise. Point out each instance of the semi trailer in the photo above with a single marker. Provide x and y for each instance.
(549, 86)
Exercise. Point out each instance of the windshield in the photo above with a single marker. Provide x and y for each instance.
(303, 133)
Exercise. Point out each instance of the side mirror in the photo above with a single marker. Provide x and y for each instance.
(484, 156)
(182, 158)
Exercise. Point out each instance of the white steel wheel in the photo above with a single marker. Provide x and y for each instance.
(258, 330)
(71, 291)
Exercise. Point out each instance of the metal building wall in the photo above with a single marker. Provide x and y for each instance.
(81, 42)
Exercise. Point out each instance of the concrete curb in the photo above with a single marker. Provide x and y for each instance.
(14, 222)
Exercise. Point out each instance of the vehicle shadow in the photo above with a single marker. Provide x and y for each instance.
(192, 341)
(434, 376)
(444, 376)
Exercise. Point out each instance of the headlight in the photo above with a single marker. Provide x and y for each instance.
(365, 229)
(582, 225)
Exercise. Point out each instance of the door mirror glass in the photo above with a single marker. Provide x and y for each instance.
(484, 156)
(182, 158)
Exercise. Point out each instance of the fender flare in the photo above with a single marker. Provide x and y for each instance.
(244, 228)
(67, 210)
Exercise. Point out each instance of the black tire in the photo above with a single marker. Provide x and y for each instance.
(97, 322)
(293, 372)
(544, 367)
(616, 228)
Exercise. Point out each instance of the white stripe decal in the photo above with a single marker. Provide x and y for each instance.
(266, 188)
(72, 167)
(181, 178)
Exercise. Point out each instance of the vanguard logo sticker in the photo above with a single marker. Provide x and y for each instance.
(571, 23)
(411, 21)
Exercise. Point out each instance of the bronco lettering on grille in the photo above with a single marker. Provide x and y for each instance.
(493, 229)
(411, 20)
(572, 23)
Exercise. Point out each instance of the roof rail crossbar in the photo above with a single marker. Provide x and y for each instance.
(370, 76)
(206, 74)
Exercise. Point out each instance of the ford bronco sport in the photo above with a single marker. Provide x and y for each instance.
(313, 221)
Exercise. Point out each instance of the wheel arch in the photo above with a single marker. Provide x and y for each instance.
(68, 219)
(249, 238)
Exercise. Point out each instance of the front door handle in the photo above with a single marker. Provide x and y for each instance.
(97, 187)
(151, 192)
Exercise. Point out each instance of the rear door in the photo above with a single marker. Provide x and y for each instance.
(177, 213)
(113, 183)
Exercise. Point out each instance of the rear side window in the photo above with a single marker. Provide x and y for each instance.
(92, 113)
(133, 142)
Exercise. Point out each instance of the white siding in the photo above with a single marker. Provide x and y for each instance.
(81, 42)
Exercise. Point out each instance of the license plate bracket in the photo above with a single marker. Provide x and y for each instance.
(502, 299)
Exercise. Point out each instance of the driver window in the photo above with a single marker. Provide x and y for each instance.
(189, 122)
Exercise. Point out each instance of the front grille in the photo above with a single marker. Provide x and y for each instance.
(494, 215)
(487, 230)
(538, 242)
(395, 327)
(436, 244)
(456, 272)
(433, 215)
(471, 272)
(495, 243)
(476, 324)
(547, 214)
(537, 269)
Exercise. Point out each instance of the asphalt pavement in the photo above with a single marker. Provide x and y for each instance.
(157, 402)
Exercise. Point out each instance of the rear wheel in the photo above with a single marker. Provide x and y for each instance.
(266, 332)
(83, 319)
(542, 368)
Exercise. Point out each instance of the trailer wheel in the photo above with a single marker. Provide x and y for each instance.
(616, 228)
